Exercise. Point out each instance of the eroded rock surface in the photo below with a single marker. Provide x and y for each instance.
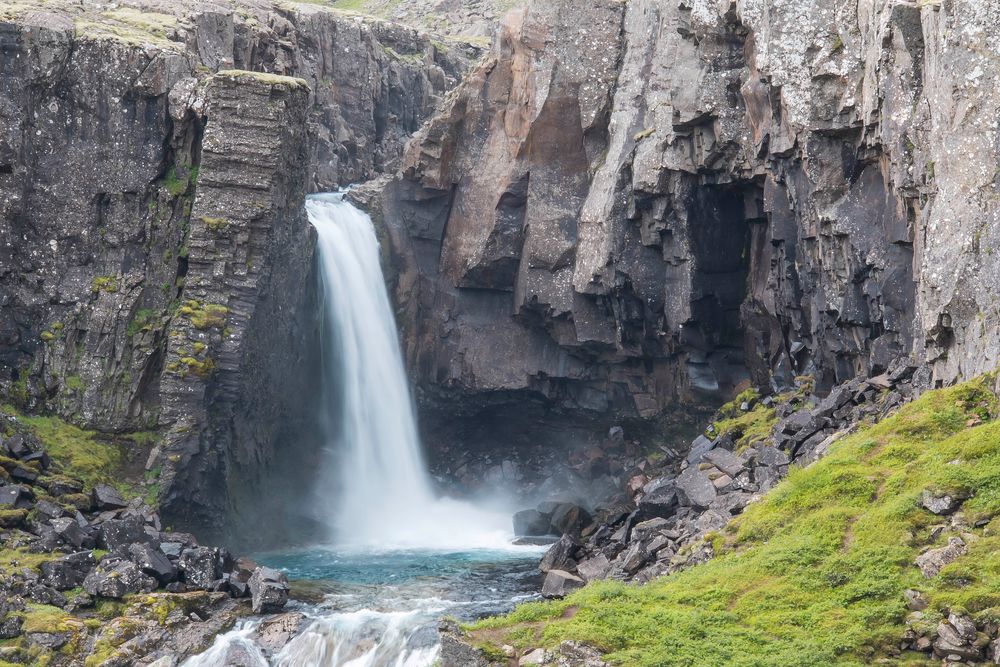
(631, 205)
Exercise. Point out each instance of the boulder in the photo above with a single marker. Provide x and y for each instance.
(699, 448)
(957, 636)
(200, 567)
(117, 579)
(105, 497)
(725, 461)
(931, 561)
(594, 568)
(915, 600)
(152, 563)
(68, 530)
(10, 626)
(940, 503)
(117, 534)
(559, 583)
(531, 523)
(67, 572)
(695, 489)
(275, 631)
(659, 501)
(268, 590)
(570, 519)
(560, 556)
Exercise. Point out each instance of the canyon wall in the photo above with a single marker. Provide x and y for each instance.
(632, 205)
(155, 258)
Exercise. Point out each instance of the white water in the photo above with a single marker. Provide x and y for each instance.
(382, 509)
(378, 490)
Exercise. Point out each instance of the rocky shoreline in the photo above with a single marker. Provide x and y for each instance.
(88, 577)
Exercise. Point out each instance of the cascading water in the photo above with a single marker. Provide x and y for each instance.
(400, 556)
(377, 486)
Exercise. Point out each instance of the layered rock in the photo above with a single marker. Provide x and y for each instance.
(154, 257)
(633, 205)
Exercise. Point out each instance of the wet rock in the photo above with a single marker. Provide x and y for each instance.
(276, 631)
(531, 523)
(559, 583)
(569, 518)
(930, 562)
(268, 590)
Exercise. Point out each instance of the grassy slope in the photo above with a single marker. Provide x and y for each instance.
(813, 574)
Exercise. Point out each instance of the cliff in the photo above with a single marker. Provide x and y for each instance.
(155, 259)
(633, 205)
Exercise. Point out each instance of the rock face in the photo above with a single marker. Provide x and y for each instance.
(633, 204)
(155, 262)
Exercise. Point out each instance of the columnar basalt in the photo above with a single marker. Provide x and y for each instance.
(154, 273)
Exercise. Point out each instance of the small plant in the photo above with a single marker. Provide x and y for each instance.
(73, 382)
(141, 321)
(107, 284)
(204, 316)
(215, 225)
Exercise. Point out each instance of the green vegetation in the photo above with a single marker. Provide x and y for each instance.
(104, 284)
(73, 382)
(746, 428)
(202, 368)
(215, 225)
(143, 320)
(177, 184)
(814, 573)
(12, 560)
(204, 315)
(76, 450)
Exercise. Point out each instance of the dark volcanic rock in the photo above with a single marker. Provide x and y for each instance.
(559, 583)
(116, 578)
(531, 523)
(69, 571)
(268, 590)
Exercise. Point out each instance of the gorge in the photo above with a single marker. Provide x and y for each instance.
(641, 260)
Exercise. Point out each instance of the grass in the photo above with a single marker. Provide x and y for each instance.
(104, 284)
(204, 315)
(143, 320)
(746, 428)
(77, 451)
(814, 573)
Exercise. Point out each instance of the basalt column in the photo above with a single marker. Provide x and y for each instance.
(237, 383)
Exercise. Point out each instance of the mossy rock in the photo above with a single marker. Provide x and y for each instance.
(12, 518)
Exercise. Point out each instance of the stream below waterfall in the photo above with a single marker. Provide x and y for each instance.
(400, 555)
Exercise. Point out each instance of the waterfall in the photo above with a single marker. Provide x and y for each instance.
(376, 485)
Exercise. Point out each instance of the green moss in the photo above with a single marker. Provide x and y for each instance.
(11, 518)
(746, 428)
(73, 382)
(143, 320)
(203, 368)
(75, 450)
(47, 336)
(215, 225)
(177, 182)
(104, 284)
(12, 560)
(813, 574)
(204, 315)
